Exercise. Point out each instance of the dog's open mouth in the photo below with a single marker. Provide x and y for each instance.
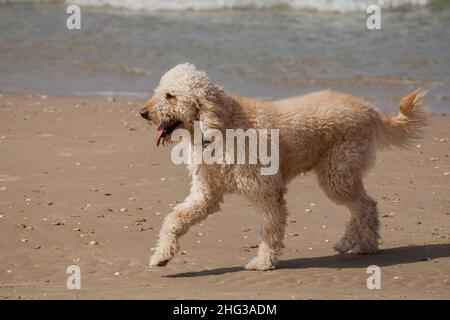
(165, 129)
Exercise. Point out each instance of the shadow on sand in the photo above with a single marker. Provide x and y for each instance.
(385, 257)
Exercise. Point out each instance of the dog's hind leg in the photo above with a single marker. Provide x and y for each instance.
(194, 209)
(340, 176)
(272, 232)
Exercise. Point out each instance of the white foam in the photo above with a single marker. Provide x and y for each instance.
(319, 5)
(159, 5)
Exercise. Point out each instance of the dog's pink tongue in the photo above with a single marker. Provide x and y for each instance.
(159, 134)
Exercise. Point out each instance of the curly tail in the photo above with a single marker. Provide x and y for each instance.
(402, 129)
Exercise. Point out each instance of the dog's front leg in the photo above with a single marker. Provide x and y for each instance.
(272, 233)
(193, 210)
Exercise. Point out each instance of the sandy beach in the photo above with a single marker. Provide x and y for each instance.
(82, 183)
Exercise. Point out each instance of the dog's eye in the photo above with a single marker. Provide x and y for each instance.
(170, 96)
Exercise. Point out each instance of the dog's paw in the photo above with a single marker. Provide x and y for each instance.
(366, 248)
(343, 245)
(259, 264)
(159, 260)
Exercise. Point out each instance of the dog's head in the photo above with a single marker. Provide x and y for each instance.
(184, 95)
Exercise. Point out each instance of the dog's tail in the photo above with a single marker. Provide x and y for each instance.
(402, 129)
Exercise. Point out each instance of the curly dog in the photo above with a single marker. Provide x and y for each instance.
(330, 133)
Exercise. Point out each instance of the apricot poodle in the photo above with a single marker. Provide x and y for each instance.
(330, 133)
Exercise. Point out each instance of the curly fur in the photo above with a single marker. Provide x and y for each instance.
(331, 133)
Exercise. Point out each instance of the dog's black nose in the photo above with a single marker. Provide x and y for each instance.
(144, 113)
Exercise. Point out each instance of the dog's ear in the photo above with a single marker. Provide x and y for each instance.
(212, 114)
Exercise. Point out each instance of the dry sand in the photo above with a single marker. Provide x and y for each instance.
(78, 171)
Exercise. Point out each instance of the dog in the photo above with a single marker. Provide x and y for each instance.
(331, 133)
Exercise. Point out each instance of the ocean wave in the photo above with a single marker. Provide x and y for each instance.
(316, 5)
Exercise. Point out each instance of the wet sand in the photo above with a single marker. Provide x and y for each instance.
(82, 183)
